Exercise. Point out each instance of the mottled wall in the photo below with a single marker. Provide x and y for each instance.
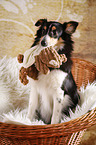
(17, 18)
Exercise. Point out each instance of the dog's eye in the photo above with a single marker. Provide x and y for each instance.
(54, 34)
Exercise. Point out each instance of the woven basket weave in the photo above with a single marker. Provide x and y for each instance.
(59, 134)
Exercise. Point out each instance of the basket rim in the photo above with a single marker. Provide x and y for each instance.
(51, 130)
(87, 63)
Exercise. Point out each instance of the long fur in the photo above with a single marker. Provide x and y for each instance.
(56, 92)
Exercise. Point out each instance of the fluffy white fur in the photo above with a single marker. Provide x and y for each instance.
(88, 102)
(14, 96)
(46, 94)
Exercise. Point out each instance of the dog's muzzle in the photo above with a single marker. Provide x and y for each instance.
(48, 41)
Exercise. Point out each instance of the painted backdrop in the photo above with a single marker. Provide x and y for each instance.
(17, 18)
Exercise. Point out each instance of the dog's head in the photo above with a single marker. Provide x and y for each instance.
(50, 33)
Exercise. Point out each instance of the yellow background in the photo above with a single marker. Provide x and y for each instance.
(17, 18)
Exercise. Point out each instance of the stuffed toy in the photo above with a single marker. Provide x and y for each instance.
(35, 61)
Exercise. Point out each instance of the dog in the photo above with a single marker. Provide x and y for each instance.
(56, 93)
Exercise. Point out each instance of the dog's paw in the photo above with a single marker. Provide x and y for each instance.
(55, 120)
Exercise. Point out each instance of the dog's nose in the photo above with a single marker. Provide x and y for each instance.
(43, 43)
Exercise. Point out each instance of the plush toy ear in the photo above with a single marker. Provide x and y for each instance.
(70, 27)
(40, 22)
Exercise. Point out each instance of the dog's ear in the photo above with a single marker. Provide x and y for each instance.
(70, 27)
(40, 22)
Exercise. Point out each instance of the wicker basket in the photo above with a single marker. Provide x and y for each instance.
(64, 133)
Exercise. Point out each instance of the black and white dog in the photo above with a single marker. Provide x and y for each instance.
(54, 93)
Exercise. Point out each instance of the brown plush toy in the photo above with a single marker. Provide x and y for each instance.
(47, 57)
(24, 72)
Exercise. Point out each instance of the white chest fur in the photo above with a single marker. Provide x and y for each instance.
(45, 94)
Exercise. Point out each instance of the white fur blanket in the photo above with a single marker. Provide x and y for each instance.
(14, 96)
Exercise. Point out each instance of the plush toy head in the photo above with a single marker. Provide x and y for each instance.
(33, 64)
(49, 57)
